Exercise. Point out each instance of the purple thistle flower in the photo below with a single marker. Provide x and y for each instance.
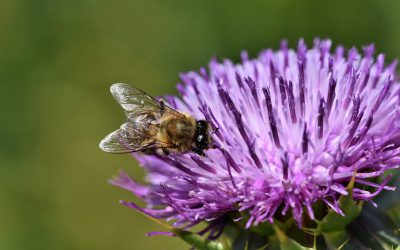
(291, 129)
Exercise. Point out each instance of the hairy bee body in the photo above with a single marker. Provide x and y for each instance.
(153, 127)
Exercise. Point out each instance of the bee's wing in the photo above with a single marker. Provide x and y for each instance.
(120, 142)
(135, 100)
(117, 142)
(131, 137)
(143, 113)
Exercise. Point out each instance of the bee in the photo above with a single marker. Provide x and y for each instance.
(152, 127)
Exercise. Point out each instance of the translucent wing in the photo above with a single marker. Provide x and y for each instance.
(135, 135)
(144, 113)
(132, 99)
(118, 142)
(136, 103)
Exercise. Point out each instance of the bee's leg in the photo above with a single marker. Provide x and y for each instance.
(165, 151)
(162, 106)
(201, 152)
(215, 130)
(198, 151)
(214, 144)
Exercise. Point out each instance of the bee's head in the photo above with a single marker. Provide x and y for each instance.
(202, 138)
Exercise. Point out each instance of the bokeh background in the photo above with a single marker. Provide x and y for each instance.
(57, 60)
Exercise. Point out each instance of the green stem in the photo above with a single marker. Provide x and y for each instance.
(199, 242)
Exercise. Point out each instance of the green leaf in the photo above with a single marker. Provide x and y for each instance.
(274, 243)
(389, 199)
(334, 222)
(248, 240)
(286, 243)
(394, 214)
(336, 239)
(264, 229)
(375, 229)
(290, 244)
(363, 237)
(198, 242)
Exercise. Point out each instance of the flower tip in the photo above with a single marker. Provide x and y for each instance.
(244, 55)
(170, 234)
(284, 44)
(114, 179)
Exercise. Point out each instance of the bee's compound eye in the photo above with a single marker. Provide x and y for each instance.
(200, 138)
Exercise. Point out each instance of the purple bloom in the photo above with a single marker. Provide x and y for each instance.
(291, 129)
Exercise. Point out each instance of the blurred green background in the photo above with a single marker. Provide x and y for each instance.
(57, 60)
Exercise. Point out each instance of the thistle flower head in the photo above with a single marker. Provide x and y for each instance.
(291, 128)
